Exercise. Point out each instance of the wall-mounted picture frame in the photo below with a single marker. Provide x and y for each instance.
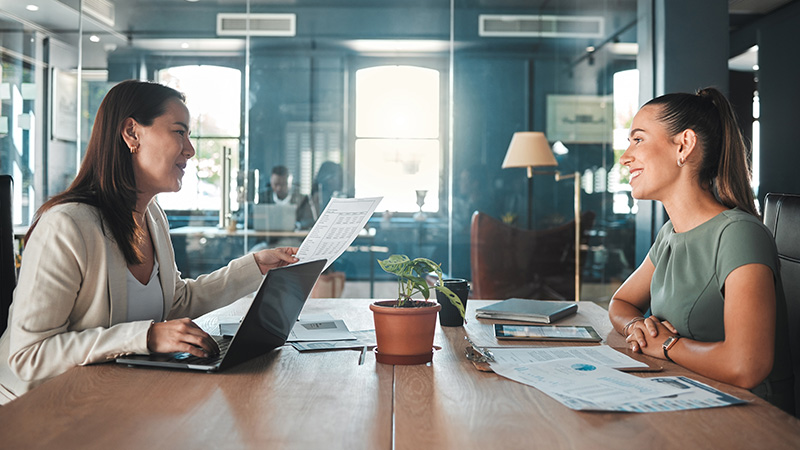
(64, 121)
(582, 119)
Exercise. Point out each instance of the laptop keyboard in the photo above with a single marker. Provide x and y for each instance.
(222, 341)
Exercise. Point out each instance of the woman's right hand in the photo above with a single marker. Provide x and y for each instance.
(181, 335)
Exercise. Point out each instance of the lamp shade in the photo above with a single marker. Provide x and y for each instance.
(529, 149)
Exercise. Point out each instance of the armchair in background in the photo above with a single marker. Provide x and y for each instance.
(511, 262)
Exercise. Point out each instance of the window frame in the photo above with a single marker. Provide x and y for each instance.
(439, 62)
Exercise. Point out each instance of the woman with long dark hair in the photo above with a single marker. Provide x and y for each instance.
(98, 276)
(711, 278)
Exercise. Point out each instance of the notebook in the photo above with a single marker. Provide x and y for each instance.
(264, 327)
(274, 217)
(538, 311)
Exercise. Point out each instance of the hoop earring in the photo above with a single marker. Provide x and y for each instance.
(681, 162)
(134, 149)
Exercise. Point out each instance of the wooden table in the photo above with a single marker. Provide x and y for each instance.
(327, 400)
(450, 404)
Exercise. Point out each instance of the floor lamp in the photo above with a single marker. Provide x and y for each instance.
(529, 149)
(577, 212)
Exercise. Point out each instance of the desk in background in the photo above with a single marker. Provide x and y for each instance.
(201, 250)
(286, 399)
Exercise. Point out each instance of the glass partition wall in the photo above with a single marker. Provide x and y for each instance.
(415, 101)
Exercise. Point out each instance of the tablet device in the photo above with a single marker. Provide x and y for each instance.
(580, 333)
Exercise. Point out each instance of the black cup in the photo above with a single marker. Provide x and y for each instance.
(449, 315)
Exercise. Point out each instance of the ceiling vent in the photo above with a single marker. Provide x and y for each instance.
(101, 10)
(235, 24)
(491, 25)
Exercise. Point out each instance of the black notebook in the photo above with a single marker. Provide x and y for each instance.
(538, 311)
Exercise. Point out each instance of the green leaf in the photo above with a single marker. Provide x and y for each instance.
(412, 276)
(453, 299)
(395, 264)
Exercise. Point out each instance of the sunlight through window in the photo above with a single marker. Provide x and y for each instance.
(398, 150)
(213, 97)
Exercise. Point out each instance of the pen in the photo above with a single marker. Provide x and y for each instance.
(363, 355)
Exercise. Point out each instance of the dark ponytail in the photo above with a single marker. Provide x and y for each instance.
(724, 162)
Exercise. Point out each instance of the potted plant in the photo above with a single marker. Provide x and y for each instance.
(404, 327)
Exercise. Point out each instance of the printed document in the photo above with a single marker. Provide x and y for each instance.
(599, 355)
(337, 228)
(580, 385)
(588, 383)
(363, 338)
(319, 330)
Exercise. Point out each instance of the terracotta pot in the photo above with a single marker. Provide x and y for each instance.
(404, 335)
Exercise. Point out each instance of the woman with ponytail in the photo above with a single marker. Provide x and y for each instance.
(711, 278)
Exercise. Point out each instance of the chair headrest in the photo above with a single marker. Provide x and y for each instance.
(782, 217)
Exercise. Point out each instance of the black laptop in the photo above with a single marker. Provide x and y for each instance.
(266, 325)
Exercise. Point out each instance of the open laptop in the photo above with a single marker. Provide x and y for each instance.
(274, 217)
(265, 326)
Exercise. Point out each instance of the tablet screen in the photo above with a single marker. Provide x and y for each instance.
(546, 332)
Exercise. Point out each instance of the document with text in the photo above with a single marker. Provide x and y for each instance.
(584, 386)
(596, 385)
(337, 228)
(600, 354)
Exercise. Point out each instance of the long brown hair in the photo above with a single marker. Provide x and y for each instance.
(725, 162)
(105, 179)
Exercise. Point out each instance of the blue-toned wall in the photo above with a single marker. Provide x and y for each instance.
(500, 86)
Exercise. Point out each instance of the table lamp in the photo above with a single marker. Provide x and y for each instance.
(529, 149)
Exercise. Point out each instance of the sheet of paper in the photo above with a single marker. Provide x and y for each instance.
(695, 395)
(599, 355)
(326, 330)
(600, 386)
(311, 317)
(585, 387)
(337, 228)
(229, 324)
(363, 338)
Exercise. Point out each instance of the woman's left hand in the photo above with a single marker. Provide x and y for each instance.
(275, 257)
(648, 339)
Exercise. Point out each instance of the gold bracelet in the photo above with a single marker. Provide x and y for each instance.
(632, 321)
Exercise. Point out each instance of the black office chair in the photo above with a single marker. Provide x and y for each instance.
(782, 217)
(8, 271)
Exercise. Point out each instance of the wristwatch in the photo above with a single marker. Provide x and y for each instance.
(668, 344)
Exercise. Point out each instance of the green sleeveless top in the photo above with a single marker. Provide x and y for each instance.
(690, 272)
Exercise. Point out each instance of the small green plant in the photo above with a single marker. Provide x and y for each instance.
(411, 280)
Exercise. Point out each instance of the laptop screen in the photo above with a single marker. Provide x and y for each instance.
(274, 312)
(274, 217)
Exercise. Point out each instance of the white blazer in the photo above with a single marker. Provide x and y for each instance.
(70, 303)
